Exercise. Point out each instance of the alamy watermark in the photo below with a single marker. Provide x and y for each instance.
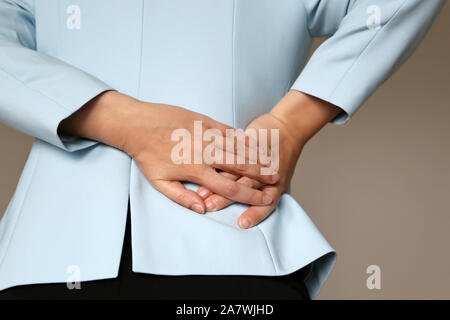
(374, 280)
(73, 281)
(374, 20)
(219, 145)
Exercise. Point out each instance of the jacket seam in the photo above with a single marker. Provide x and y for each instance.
(20, 80)
(233, 102)
(268, 249)
(307, 19)
(2, 260)
(141, 51)
(233, 63)
(35, 90)
(365, 49)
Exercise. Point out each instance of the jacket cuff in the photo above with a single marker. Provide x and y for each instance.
(46, 109)
(73, 103)
(349, 103)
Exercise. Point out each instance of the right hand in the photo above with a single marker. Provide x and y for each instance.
(143, 130)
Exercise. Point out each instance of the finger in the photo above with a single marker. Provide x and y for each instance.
(205, 192)
(255, 214)
(244, 146)
(177, 192)
(229, 133)
(241, 146)
(252, 171)
(216, 202)
(241, 161)
(219, 151)
(232, 190)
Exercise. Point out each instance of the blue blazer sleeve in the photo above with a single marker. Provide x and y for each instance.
(38, 91)
(369, 40)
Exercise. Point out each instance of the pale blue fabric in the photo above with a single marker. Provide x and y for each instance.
(229, 59)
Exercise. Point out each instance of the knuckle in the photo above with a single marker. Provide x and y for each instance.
(181, 198)
(240, 167)
(193, 172)
(207, 119)
(246, 181)
(231, 189)
(256, 197)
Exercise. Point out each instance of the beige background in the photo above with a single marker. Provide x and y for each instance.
(378, 187)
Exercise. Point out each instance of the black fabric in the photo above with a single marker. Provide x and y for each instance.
(132, 285)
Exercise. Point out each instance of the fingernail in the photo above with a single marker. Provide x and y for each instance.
(203, 192)
(267, 199)
(244, 223)
(210, 205)
(197, 208)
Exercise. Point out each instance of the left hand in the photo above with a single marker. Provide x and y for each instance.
(289, 152)
(298, 117)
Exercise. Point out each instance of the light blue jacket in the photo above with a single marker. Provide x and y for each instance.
(229, 59)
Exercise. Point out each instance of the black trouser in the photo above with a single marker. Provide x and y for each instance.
(132, 285)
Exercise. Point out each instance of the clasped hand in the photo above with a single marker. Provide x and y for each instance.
(145, 131)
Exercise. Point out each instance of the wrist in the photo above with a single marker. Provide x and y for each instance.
(104, 119)
(303, 115)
